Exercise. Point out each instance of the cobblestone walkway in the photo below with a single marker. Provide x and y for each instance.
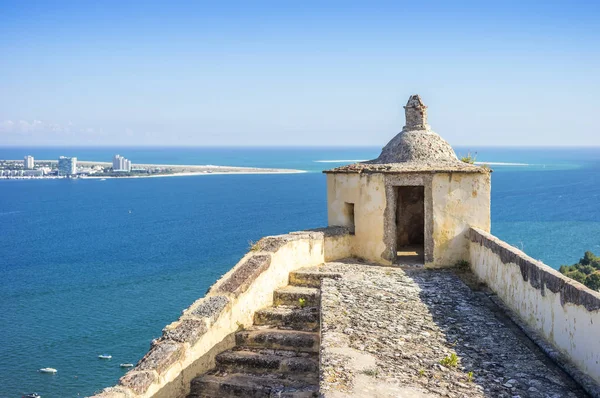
(388, 332)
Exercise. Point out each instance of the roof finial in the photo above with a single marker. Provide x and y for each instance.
(416, 114)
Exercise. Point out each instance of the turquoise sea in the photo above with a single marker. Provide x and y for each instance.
(89, 267)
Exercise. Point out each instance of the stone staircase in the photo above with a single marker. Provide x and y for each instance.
(279, 355)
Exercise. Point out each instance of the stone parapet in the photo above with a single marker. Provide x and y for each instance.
(560, 314)
(188, 346)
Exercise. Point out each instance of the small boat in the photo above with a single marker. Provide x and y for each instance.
(48, 370)
(103, 179)
(126, 365)
(32, 395)
(105, 356)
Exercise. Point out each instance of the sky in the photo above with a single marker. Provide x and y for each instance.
(255, 73)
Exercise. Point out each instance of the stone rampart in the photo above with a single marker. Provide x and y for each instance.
(552, 308)
(188, 346)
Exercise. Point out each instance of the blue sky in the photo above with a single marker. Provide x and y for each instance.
(297, 73)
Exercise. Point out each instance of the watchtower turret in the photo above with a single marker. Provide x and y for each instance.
(415, 202)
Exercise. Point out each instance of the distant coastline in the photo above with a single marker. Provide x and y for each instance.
(145, 170)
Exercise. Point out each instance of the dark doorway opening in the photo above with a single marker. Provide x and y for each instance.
(410, 224)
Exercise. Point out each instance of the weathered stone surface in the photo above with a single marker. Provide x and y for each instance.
(409, 167)
(272, 243)
(244, 274)
(211, 308)
(241, 385)
(293, 295)
(311, 277)
(161, 357)
(268, 361)
(290, 317)
(539, 275)
(415, 149)
(113, 392)
(401, 328)
(188, 331)
(277, 339)
(417, 143)
(332, 231)
(138, 382)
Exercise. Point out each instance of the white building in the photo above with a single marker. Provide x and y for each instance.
(28, 162)
(33, 173)
(121, 164)
(67, 166)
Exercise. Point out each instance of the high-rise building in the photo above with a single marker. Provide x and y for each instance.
(116, 164)
(121, 164)
(28, 163)
(67, 166)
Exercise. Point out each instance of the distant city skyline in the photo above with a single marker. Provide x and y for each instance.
(308, 74)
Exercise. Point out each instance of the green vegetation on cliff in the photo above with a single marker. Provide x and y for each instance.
(586, 271)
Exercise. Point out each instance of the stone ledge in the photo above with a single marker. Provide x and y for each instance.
(244, 274)
(271, 244)
(114, 392)
(209, 307)
(138, 382)
(161, 356)
(186, 331)
(539, 275)
(408, 167)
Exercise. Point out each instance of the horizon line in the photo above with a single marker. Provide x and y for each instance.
(349, 146)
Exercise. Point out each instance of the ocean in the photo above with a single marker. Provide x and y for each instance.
(91, 267)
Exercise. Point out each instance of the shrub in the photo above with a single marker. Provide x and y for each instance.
(593, 281)
(451, 361)
(469, 158)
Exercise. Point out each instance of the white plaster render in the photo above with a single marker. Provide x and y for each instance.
(453, 203)
(460, 200)
(572, 329)
(367, 192)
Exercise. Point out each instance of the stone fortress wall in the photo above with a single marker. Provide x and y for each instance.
(560, 315)
(189, 345)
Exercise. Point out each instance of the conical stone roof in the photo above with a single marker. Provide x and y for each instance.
(415, 148)
(417, 142)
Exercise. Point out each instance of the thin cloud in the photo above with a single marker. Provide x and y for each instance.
(26, 127)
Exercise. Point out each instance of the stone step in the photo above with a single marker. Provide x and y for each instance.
(297, 296)
(267, 361)
(277, 339)
(311, 277)
(283, 317)
(251, 386)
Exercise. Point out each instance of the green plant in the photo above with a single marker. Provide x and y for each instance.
(462, 264)
(302, 302)
(253, 246)
(469, 157)
(470, 377)
(586, 271)
(451, 361)
(371, 372)
(421, 372)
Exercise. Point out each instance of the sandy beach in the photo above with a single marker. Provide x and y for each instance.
(175, 170)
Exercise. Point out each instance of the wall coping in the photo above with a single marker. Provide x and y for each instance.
(163, 361)
(539, 275)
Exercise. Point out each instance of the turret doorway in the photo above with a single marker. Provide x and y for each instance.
(410, 224)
